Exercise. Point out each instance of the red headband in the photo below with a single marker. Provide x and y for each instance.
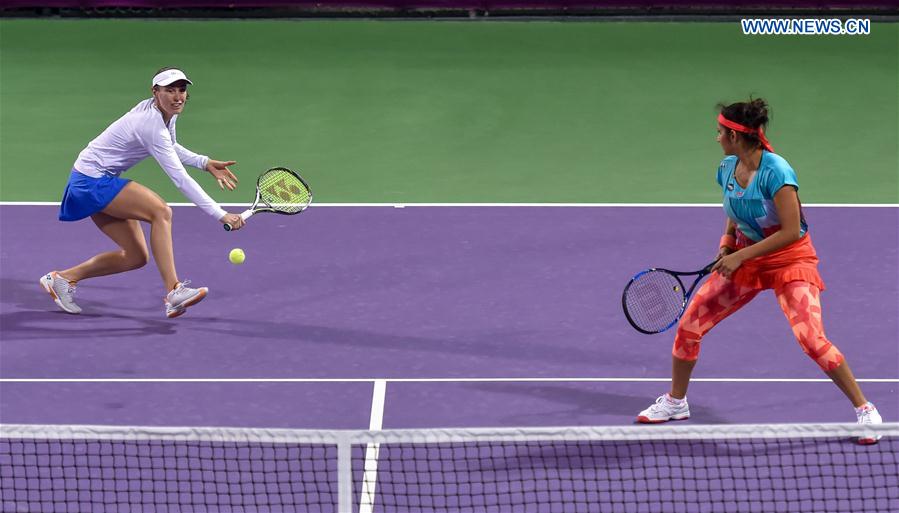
(746, 130)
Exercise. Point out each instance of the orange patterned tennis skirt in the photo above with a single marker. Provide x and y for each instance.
(795, 262)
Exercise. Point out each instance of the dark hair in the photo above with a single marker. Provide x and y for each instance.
(753, 114)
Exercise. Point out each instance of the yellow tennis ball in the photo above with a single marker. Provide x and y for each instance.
(236, 256)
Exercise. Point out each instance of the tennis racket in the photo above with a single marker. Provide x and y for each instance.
(655, 299)
(280, 191)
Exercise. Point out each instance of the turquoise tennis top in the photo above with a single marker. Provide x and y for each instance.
(752, 209)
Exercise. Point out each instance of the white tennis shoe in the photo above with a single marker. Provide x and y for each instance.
(868, 414)
(62, 291)
(177, 301)
(664, 409)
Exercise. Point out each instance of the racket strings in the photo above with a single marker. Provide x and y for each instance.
(654, 300)
(283, 191)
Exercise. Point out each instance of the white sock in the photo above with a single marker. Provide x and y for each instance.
(674, 400)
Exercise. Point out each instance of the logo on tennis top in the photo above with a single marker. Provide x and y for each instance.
(284, 190)
(730, 186)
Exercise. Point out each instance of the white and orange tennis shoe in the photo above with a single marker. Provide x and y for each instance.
(177, 301)
(664, 409)
(868, 414)
(62, 291)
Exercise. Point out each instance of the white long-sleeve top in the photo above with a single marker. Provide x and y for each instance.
(138, 134)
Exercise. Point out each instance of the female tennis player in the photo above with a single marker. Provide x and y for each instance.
(116, 205)
(766, 245)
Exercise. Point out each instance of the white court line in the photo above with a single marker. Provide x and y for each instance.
(431, 380)
(575, 205)
(370, 474)
(376, 420)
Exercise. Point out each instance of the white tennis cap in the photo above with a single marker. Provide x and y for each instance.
(170, 76)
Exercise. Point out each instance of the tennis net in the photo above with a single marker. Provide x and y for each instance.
(734, 468)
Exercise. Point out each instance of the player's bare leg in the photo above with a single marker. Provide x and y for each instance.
(140, 203)
(126, 233)
(681, 370)
(133, 254)
(844, 379)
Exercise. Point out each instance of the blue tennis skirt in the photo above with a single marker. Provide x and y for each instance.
(86, 195)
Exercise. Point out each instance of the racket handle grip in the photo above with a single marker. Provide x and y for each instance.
(243, 215)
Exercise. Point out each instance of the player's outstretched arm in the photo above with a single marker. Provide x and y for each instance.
(223, 175)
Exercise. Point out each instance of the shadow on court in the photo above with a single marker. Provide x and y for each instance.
(36, 317)
(529, 345)
(585, 402)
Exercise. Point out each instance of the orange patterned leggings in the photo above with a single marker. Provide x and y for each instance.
(719, 297)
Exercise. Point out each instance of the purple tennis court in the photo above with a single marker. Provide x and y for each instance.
(465, 317)
(421, 293)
